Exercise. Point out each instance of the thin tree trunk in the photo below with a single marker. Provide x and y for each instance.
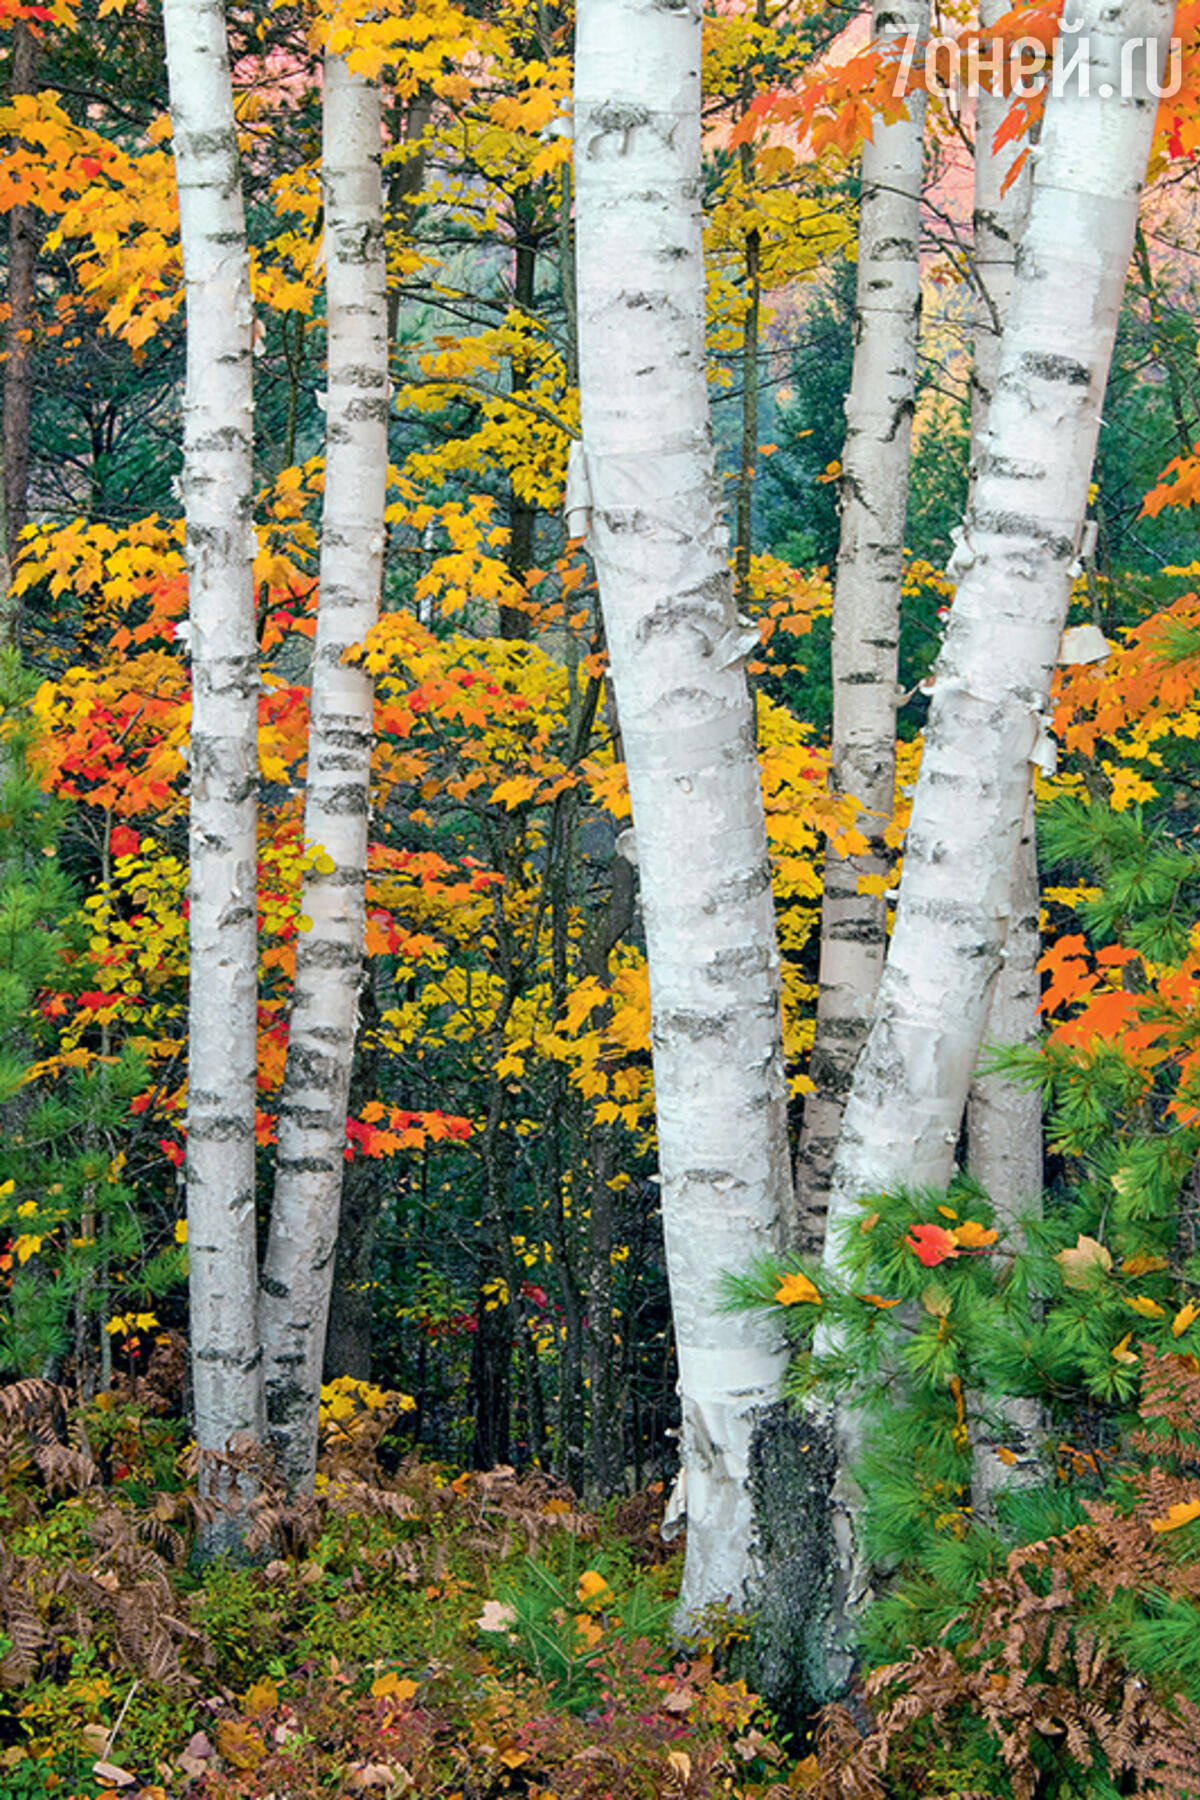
(522, 514)
(22, 317)
(991, 697)
(645, 484)
(744, 529)
(298, 1269)
(866, 613)
(218, 498)
(405, 184)
(997, 224)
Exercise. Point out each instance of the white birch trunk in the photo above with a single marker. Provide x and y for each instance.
(678, 650)
(866, 611)
(993, 677)
(298, 1269)
(1004, 1120)
(218, 499)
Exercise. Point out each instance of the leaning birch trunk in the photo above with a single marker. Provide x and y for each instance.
(987, 719)
(866, 612)
(678, 665)
(218, 500)
(298, 1268)
(1004, 1120)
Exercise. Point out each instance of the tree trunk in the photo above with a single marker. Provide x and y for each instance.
(522, 514)
(986, 722)
(645, 485)
(22, 317)
(866, 613)
(1004, 1121)
(218, 498)
(298, 1268)
(997, 224)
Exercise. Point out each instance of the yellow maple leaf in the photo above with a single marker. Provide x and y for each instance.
(1145, 1307)
(1121, 1352)
(796, 1290)
(971, 1235)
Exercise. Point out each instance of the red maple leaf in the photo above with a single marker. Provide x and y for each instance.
(931, 1245)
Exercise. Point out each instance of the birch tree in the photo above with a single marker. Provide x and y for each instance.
(866, 609)
(987, 721)
(1004, 1120)
(298, 1269)
(218, 501)
(645, 484)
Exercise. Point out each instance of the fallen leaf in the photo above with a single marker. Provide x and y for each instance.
(1121, 1352)
(971, 1235)
(877, 1300)
(593, 1589)
(393, 1687)
(496, 1616)
(262, 1697)
(1182, 1513)
(1183, 1318)
(1143, 1265)
(120, 1778)
(1144, 1306)
(931, 1245)
(1082, 1265)
(240, 1744)
(796, 1290)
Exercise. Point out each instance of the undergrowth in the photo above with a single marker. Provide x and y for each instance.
(456, 1636)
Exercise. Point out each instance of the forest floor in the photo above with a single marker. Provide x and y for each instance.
(411, 1630)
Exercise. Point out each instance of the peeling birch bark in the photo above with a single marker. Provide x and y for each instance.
(222, 928)
(866, 612)
(678, 664)
(987, 719)
(298, 1268)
